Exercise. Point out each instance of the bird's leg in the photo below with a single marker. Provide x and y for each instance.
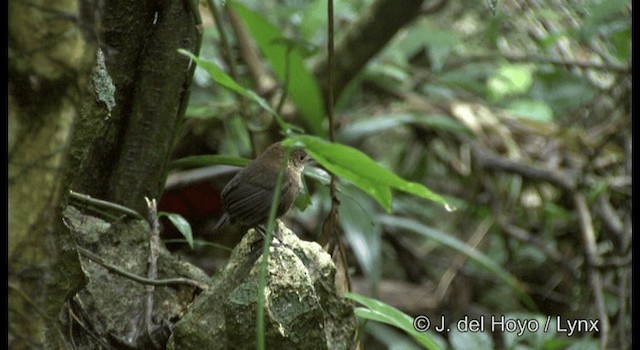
(263, 232)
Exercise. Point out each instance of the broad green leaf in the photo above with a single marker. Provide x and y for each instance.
(472, 77)
(378, 311)
(440, 43)
(537, 339)
(470, 340)
(562, 90)
(226, 81)
(356, 167)
(199, 243)
(459, 246)
(393, 338)
(302, 85)
(181, 224)
(358, 220)
(368, 126)
(621, 43)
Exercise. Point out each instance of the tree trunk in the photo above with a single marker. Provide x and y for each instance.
(107, 134)
(50, 62)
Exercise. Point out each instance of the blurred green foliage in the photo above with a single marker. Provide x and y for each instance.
(541, 84)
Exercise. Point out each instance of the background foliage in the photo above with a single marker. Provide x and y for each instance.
(520, 119)
(482, 153)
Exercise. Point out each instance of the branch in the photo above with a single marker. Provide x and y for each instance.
(264, 83)
(104, 204)
(152, 272)
(119, 271)
(458, 261)
(534, 58)
(593, 259)
(365, 38)
(490, 160)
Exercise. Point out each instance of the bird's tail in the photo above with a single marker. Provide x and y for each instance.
(222, 222)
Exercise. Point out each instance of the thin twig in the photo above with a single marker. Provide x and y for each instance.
(492, 161)
(184, 100)
(104, 204)
(623, 300)
(593, 259)
(330, 71)
(609, 216)
(538, 59)
(287, 72)
(331, 223)
(77, 319)
(458, 261)
(226, 50)
(142, 280)
(250, 56)
(152, 272)
(32, 304)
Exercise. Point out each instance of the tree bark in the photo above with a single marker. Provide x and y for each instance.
(106, 132)
(123, 158)
(50, 61)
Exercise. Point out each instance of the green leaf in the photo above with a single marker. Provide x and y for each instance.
(362, 230)
(459, 246)
(391, 337)
(302, 85)
(199, 243)
(207, 160)
(226, 81)
(470, 340)
(378, 311)
(532, 109)
(356, 167)
(181, 224)
(537, 339)
(369, 126)
(603, 14)
(510, 79)
(563, 91)
(621, 43)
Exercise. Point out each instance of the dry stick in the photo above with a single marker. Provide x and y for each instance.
(488, 159)
(226, 51)
(226, 48)
(533, 58)
(142, 280)
(332, 137)
(250, 55)
(623, 298)
(287, 72)
(595, 277)
(84, 198)
(152, 272)
(459, 260)
(76, 318)
(609, 216)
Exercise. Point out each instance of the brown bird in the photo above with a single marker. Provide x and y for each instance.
(246, 199)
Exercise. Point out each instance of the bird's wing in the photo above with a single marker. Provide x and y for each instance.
(249, 203)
